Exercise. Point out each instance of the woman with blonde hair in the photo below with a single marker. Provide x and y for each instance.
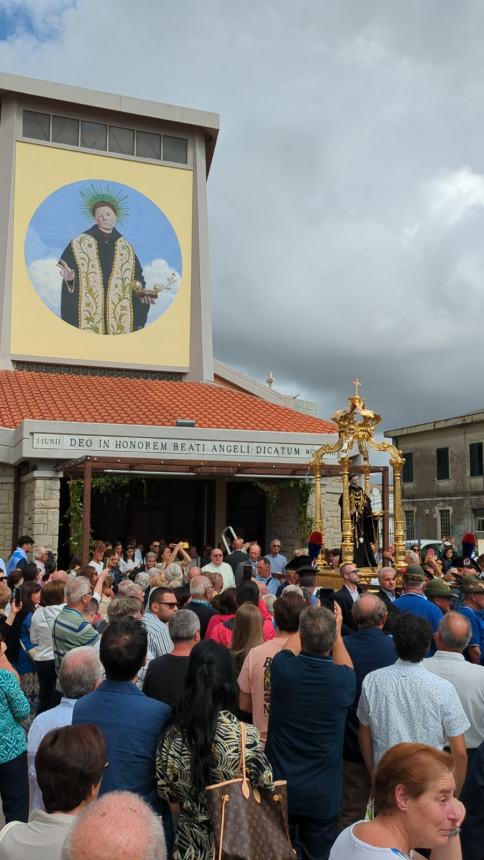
(415, 806)
(247, 633)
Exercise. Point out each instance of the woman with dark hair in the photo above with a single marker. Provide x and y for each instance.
(415, 806)
(21, 649)
(449, 558)
(203, 747)
(52, 600)
(128, 562)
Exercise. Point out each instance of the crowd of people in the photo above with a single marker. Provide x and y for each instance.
(124, 684)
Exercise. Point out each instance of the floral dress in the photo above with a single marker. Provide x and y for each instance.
(194, 837)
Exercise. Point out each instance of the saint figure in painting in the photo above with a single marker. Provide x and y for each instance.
(103, 288)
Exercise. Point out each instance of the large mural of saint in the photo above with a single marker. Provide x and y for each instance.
(103, 257)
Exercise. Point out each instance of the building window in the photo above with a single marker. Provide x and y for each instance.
(475, 459)
(175, 149)
(407, 474)
(148, 145)
(410, 525)
(65, 130)
(36, 125)
(444, 515)
(442, 463)
(479, 520)
(121, 140)
(94, 135)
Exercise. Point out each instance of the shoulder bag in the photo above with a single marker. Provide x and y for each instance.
(249, 823)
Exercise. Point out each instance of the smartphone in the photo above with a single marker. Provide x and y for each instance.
(17, 596)
(247, 572)
(326, 598)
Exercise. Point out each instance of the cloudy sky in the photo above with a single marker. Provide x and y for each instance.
(346, 197)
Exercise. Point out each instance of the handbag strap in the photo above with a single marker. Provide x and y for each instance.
(243, 767)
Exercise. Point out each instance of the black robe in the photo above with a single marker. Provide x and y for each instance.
(106, 249)
(362, 529)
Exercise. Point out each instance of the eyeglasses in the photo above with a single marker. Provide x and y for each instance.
(2, 578)
(171, 605)
(217, 555)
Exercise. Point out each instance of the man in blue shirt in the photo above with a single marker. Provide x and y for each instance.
(264, 575)
(413, 598)
(369, 648)
(130, 721)
(275, 557)
(472, 589)
(310, 696)
(19, 558)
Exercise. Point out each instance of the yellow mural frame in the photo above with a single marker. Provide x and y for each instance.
(36, 331)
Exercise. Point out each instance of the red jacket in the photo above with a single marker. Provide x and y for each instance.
(223, 630)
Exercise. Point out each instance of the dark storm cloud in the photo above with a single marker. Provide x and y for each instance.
(346, 197)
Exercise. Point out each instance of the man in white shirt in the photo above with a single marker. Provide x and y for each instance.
(81, 672)
(405, 703)
(218, 565)
(468, 678)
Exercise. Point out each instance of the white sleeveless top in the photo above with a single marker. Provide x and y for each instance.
(349, 847)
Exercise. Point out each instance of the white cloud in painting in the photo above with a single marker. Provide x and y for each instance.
(46, 279)
(159, 273)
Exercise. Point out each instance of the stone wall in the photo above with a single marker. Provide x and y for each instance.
(39, 508)
(282, 521)
(6, 509)
(282, 518)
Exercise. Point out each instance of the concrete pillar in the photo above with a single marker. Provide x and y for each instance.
(39, 507)
(6, 509)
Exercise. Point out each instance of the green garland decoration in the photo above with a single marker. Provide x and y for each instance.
(105, 486)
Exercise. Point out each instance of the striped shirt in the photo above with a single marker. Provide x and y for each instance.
(159, 643)
(69, 631)
(159, 639)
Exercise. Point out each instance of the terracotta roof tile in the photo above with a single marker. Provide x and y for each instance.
(120, 400)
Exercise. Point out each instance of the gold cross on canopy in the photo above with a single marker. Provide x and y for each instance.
(357, 384)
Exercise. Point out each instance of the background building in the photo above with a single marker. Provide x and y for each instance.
(443, 477)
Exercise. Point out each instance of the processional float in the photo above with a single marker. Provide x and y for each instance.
(356, 434)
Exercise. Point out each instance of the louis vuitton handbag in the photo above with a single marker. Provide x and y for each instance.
(249, 823)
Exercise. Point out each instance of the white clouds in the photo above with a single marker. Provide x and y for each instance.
(454, 194)
(46, 278)
(159, 273)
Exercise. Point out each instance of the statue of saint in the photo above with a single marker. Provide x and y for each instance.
(362, 524)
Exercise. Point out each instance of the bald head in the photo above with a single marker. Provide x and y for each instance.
(237, 543)
(59, 576)
(454, 633)
(119, 825)
(369, 611)
(194, 571)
